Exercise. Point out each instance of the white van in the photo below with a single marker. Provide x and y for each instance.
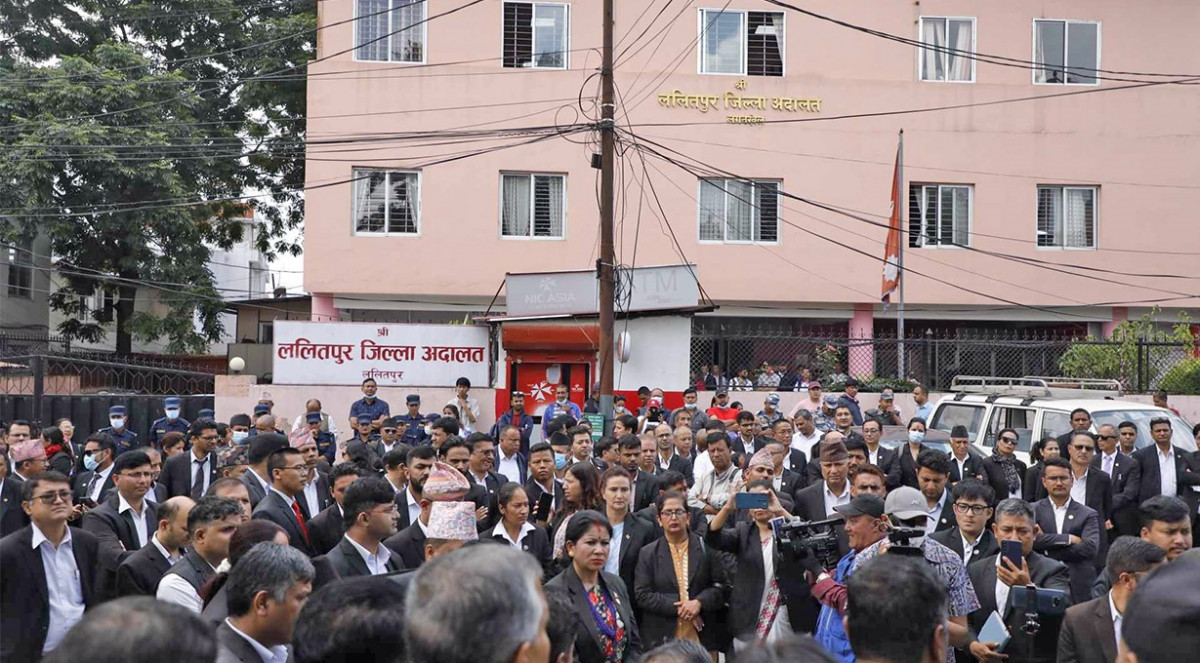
(1037, 407)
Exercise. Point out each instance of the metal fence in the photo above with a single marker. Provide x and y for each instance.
(931, 359)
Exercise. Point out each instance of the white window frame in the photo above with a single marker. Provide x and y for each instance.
(1066, 49)
(970, 214)
(386, 205)
(391, 14)
(745, 30)
(567, 34)
(921, 51)
(532, 203)
(1095, 216)
(754, 206)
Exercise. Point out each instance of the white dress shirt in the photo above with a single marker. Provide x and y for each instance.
(935, 513)
(414, 506)
(1117, 617)
(962, 465)
(198, 463)
(276, 654)
(967, 546)
(163, 550)
(701, 466)
(395, 489)
(1079, 488)
(1108, 461)
(802, 442)
(98, 480)
(508, 466)
(613, 563)
(174, 589)
(311, 498)
(140, 526)
(376, 561)
(1166, 470)
(65, 593)
(1060, 515)
(1001, 591)
(832, 500)
(526, 528)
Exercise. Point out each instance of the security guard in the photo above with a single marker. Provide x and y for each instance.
(206, 413)
(125, 438)
(413, 423)
(172, 423)
(326, 445)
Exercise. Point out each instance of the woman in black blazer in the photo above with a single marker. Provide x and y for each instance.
(656, 587)
(609, 634)
(1005, 472)
(1033, 490)
(514, 527)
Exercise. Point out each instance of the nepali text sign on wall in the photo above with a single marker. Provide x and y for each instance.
(391, 354)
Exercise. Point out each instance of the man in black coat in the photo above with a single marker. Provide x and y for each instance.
(93, 484)
(125, 523)
(1162, 452)
(541, 478)
(1092, 489)
(27, 624)
(326, 528)
(972, 501)
(139, 573)
(965, 462)
(1015, 522)
(1069, 531)
(1126, 477)
(257, 478)
(12, 516)
(287, 470)
(933, 473)
(880, 456)
(645, 486)
(370, 517)
(481, 464)
(191, 472)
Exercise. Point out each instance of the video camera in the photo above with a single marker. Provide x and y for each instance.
(900, 541)
(801, 538)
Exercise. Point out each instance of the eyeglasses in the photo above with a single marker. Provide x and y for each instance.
(138, 475)
(1107, 437)
(674, 513)
(973, 509)
(51, 498)
(1010, 440)
(388, 510)
(1083, 447)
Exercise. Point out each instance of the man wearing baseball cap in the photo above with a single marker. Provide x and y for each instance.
(906, 507)
(823, 421)
(770, 412)
(865, 526)
(171, 423)
(118, 429)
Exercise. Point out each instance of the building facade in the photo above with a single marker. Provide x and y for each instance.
(1050, 170)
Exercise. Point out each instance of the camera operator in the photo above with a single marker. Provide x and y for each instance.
(906, 508)
(765, 586)
(864, 527)
(996, 580)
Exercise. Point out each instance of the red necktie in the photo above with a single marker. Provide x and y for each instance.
(300, 519)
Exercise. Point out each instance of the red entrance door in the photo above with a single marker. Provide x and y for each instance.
(538, 381)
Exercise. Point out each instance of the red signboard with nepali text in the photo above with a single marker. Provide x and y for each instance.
(346, 353)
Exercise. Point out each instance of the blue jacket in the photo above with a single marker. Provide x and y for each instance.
(524, 423)
(554, 409)
(830, 631)
(855, 411)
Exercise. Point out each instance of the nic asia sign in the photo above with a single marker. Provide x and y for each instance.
(346, 353)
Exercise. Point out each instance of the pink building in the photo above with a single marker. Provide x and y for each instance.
(1100, 174)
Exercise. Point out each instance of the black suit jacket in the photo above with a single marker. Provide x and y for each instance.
(346, 561)
(946, 518)
(656, 590)
(645, 491)
(256, 490)
(233, 648)
(117, 540)
(790, 484)
(1046, 574)
(888, 460)
(750, 577)
(986, 546)
(637, 534)
(680, 464)
(25, 618)
(810, 505)
(974, 467)
(326, 529)
(1126, 481)
(996, 477)
(1080, 558)
(908, 466)
(139, 574)
(1151, 480)
(797, 461)
(80, 485)
(536, 543)
(177, 473)
(491, 483)
(12, 516)
(1087, 634)
(534, 490)
(409, 544)
(587, 638)
(275, 509)
(324, 497)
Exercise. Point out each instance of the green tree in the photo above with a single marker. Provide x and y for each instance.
(1117, 359)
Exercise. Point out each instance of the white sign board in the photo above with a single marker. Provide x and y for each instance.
(577, 293)
(346, 353)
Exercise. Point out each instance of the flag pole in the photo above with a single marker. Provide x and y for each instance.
(900, 197)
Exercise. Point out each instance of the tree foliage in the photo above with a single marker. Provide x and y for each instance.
(1117, 359)
(119, 119)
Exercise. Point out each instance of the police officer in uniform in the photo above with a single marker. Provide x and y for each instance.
(413, 423)
(326, 445)
(172, 423)
(125, 438)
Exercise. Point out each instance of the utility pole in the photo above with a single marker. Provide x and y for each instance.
(607, 259)
(901, 362)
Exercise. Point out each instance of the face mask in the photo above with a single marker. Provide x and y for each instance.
(239, 435)
(690, 406)
(117, 422)
(560, 460)
(172, 414)
(90, 463)
(429, 430)
(562, 400)
(916, 436)
(368, 397)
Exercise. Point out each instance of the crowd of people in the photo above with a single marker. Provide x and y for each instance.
(688, 535)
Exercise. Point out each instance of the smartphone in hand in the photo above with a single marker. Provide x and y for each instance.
(1011, 550)
(751, 500)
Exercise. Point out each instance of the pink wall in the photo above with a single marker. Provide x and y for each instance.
(1116, 139)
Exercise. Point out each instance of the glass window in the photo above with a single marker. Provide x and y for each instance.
(390, 30)
(739, 211)
(1066, 52)
(950, 46)
(939, 215)
(958, 414)
(386, 202)
(532, 205)
(745, 43)
(535, 35)
(1066, 217)
(20, 270)
(1020, 419)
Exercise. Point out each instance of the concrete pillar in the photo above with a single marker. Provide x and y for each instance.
(1119, 314)
(323, 309)
(862, 333)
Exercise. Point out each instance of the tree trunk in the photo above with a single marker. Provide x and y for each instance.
(126, 292)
